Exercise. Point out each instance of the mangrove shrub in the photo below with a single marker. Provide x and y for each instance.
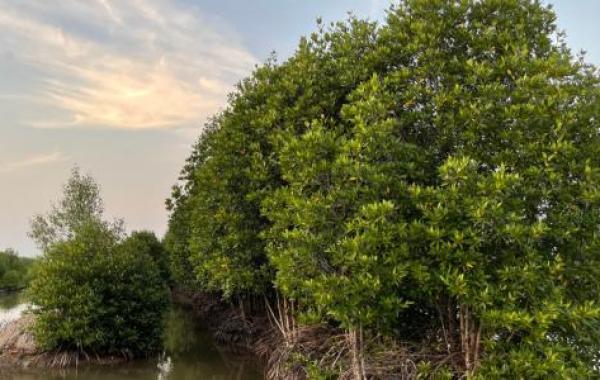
(433, 179)
(96, 292)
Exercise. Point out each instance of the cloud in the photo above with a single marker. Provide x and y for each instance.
(34, 160)
(123, 64)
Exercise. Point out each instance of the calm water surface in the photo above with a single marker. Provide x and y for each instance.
(189, 354)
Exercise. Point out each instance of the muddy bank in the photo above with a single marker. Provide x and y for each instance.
(18, 349)
(16, 340)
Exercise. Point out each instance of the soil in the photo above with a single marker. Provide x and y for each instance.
(18, 348)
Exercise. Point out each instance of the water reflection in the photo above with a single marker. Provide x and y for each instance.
(165, 366)
(9, 300)
(190, 351)
(11, 308)
(189, 354)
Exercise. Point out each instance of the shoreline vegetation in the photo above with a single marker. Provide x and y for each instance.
(233, 333)
(18, 347)
(416, 198)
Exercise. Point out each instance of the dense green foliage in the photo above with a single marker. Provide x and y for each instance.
(434, 178)
(95, 291)
(147, 244)
(14, 270)
(177, 238)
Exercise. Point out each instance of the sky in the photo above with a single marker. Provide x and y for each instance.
(122, 89)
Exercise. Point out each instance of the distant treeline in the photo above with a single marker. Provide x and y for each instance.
(14, 270)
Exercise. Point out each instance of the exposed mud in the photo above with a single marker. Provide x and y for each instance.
(19, 349)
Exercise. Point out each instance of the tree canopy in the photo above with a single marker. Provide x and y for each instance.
(95, 290)
(79, 206)
(434, 178)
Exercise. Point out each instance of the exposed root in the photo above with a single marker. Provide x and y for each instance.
(329, 351)
(294, 352)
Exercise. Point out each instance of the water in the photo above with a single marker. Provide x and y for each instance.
(11, 308)
(189, 354)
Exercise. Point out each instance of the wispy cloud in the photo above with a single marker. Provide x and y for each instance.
(123, 64)
(33, 160)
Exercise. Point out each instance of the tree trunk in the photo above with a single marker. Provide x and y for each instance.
(356, 345)
(470, 338)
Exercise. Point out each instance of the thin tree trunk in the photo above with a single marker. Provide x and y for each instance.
(286, 320)
(477, 343)
(357, 354)
(470, 334)
(242, 309)
(362, 353)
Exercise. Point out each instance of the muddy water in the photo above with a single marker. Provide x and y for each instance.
(189, 354)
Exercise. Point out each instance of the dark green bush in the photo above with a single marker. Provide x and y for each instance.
(94, 291)
(95, 294)
(146, 243)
